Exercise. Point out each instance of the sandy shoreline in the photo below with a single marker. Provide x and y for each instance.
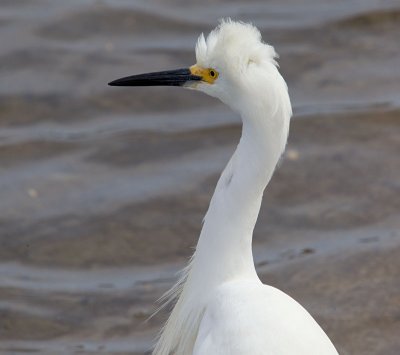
(328, 238)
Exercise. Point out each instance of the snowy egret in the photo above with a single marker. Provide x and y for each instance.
(221, 305)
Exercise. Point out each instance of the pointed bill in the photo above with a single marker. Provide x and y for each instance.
(178, 77)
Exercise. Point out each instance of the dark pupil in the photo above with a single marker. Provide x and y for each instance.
(212, 73)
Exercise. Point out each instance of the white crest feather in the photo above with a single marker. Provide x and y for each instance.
(234, 43)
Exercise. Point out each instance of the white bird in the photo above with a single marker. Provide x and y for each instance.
(222, 307)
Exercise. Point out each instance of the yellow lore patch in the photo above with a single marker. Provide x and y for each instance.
(209, 75)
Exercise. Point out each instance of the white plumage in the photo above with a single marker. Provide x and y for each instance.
(222, 308)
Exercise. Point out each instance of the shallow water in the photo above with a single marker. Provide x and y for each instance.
(103, 189)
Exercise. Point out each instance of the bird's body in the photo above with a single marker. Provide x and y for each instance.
(222, 308)
(247, 317)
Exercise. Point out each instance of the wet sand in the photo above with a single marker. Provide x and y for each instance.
(333, 247)
(103, 190)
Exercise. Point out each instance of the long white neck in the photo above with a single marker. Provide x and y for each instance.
(224, 249)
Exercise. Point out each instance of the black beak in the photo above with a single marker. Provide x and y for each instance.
(163, 78)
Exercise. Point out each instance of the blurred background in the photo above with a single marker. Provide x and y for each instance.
(103, 189)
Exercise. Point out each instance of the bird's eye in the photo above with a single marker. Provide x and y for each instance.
(211, 75)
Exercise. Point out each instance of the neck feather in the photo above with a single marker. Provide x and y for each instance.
(224, 249)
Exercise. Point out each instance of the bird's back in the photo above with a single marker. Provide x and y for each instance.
(247, 317)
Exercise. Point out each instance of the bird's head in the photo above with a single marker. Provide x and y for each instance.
(232, 60)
